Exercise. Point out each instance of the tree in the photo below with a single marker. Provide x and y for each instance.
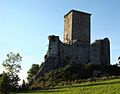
(4, 84)
(12, 67)
(32, 71)
(119, 59)
(24, 87)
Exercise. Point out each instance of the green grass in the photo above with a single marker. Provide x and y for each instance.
(99, 87)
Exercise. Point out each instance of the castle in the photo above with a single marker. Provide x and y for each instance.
(76, 47)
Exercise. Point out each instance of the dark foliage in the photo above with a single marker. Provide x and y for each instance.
(74, 72)
(32, 71)
(4, 84)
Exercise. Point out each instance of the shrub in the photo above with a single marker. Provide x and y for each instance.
(4, 84)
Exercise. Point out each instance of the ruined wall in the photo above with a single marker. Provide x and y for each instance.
(52, 55)
(72, 54)
(76, 47)
(106, 51)
(95, 52)
(100, 52)
(60, 54)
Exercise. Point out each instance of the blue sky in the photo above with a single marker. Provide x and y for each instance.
(26, 24)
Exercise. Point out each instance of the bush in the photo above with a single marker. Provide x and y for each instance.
(4, 84)
(75, 73)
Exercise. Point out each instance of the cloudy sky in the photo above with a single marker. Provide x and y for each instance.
(26, 24)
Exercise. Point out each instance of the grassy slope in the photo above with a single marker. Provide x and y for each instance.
(100, 87)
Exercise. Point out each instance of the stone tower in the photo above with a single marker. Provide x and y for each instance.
(77, 28)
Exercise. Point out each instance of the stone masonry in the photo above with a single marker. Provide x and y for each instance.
(76, 47)
(100, 52)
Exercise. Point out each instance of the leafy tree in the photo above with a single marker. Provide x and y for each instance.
(4, 84)
(32, 71)
(12, 67)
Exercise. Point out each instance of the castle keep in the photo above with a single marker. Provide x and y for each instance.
(76, 47)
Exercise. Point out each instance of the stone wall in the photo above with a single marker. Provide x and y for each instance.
(68, 28)
(77, 35)
(77, 27)
(81, 27)
(106, 51)
(52, 56)
(60, 54)
(73, 53)
(95, 52)
(76, 47)
(100, 52)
